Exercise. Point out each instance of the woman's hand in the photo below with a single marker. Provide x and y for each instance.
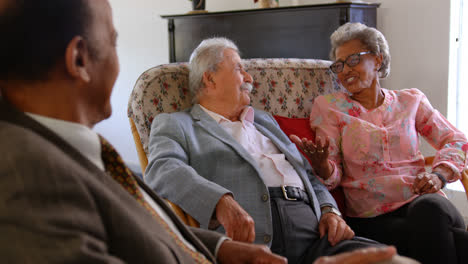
(317, 154)
(426, 183)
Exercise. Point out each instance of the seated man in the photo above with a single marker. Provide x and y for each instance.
(59, 202)
(224, 162)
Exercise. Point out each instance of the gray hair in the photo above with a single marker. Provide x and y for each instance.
(373, 39)
(205, 58)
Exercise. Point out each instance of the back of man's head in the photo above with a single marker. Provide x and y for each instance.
(35, 35)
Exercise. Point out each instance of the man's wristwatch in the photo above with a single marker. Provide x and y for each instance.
(329, 209)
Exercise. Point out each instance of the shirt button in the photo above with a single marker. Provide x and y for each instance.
(267, 238)
(265, 197)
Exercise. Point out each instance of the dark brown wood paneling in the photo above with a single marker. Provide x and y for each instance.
(288, 32)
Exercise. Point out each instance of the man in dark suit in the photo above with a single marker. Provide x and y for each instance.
(61, 185)
(58, 64)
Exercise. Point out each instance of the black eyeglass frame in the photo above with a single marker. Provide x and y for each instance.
(340, 62)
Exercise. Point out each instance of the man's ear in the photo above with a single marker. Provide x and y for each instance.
(77, 59)
(208, 80)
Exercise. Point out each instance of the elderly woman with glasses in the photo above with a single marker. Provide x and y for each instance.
(367, 142)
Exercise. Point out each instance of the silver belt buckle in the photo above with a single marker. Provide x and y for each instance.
(285, 194)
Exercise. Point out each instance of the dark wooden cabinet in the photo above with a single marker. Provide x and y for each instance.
(285, 32)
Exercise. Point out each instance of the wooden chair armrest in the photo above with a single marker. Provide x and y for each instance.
(428, 160)
(464, 180)
(186, 218)
(139, 147)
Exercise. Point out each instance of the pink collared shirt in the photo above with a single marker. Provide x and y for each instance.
(275, 170)
(375, 153)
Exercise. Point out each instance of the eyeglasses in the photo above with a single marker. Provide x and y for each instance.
(352, 60)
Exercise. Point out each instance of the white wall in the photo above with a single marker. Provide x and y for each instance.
(143, 43)
(418, 35)
(417, 31)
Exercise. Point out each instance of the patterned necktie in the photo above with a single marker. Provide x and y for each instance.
(115, 166)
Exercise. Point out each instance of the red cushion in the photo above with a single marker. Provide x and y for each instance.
(301, 128)
(296, 126)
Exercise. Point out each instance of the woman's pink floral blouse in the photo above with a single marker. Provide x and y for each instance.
(375, 153)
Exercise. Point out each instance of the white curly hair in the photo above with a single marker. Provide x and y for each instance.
(373, 39)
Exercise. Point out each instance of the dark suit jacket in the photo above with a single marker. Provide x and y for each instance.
(58, 207)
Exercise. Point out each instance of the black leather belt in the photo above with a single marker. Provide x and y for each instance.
(289, 193)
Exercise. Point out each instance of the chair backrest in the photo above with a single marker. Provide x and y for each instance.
(284, 87)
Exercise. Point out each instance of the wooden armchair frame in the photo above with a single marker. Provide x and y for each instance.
(186, 218)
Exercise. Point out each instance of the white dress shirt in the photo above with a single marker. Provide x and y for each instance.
(87, 142)
(275, 170)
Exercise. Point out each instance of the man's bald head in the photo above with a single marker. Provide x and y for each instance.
(35, 34)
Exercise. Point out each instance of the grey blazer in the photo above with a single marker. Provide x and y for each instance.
(193, 162)
(58, 207)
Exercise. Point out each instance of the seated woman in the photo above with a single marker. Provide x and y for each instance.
(367, 142)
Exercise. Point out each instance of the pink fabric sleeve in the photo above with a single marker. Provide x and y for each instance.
(450, 143)
(325, 123)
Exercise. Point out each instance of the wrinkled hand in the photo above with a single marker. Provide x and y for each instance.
(232, 252)
(426, 183)
(317, 154)
(336, 228)
(360, 256)
(238, 224)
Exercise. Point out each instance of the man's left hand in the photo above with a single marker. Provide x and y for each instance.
(335, 227)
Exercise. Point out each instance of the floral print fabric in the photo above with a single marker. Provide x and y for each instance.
(284, 87)
(375, 153)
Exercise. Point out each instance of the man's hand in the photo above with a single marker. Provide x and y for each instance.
(336, 228)
(237, 222)
(360, 256)
(232, 252)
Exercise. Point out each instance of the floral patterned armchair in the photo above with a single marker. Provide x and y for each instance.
(284, 87)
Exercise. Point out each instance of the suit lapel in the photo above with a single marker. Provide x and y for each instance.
(292, 155)
(280, 144)
(204, 121)
(10, 114)
(180, 225)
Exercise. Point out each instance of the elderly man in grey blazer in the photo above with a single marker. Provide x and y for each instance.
(232, 168)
